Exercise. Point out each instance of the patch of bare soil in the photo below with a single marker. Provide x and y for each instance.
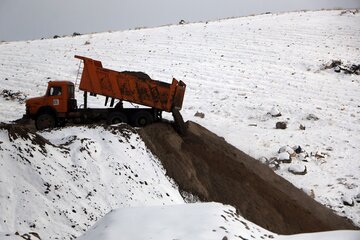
(207, 166)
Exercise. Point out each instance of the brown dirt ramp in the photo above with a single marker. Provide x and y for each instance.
(207, 166)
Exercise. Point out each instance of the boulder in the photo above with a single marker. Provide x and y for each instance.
(297, 149)
(284, 157)
(199, 114)
(281, 125)
(348, 200)
(312, 117)
(288, 150)
(297, 169)
(275, 112)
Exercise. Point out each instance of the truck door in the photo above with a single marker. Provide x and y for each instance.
(57, 98)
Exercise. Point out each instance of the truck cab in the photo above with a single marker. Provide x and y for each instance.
(58, 100)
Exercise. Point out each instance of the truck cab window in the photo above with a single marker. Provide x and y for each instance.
(55, 91)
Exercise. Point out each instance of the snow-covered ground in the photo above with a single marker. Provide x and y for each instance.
(60, 185)
(237, 72)
(201, 221)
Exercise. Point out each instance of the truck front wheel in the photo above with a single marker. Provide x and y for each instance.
(44, 121)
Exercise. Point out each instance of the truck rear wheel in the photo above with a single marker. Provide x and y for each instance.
(44, 121)
(142, 118)
(116, 117)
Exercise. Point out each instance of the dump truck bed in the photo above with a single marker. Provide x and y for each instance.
(135, 87)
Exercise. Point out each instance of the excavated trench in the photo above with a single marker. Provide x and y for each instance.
(205, 165)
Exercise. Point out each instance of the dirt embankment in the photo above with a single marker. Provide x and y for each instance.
(207, 166)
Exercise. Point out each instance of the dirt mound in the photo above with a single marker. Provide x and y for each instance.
(207, 166)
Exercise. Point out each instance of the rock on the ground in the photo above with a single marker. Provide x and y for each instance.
(309, 192)
(264, 160)
(275, 112)
(199, 114)
(312, 117)
(287, 149)
(303, 156)
(348, 200)
(284, 157)
(297, 169)
(281, 125)
(357, 198)
(297, 149)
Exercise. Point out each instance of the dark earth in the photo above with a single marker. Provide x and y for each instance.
(208, 167)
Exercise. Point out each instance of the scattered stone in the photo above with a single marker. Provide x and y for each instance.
(287, 149)
(10, 95)
(199, 114)
(182, 21)
(56, 36)
(348, 201)
(329, 149)
(357, 198)
(87, 43)
(303, 156)
(302, 127)
(309, 192)
(354, 69)
(297, 169)
(319, 155)
(275, 112)
(284, 157)
(76, 34)
(273, 163)
(338, 67)
(281, 125)
(264, 160)
(332, 64)
(312, 117)
(297, 149)
(35, 235)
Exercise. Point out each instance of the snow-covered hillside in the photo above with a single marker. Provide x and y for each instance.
(60, 183)
(191, 221)
(237, 72)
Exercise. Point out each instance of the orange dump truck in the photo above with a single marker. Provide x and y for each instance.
(59, 106)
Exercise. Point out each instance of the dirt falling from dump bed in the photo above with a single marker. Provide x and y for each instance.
(207, 166)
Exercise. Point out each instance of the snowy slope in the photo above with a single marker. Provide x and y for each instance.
(202, 221)
(205, 221)
(236, 71)
(61, 186)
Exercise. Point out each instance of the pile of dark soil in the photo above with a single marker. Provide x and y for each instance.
(207, 166)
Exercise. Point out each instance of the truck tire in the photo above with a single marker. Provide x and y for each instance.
(142, 118)
(44, 121)
(116, 117)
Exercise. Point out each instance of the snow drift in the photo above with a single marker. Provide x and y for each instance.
(59, 183)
